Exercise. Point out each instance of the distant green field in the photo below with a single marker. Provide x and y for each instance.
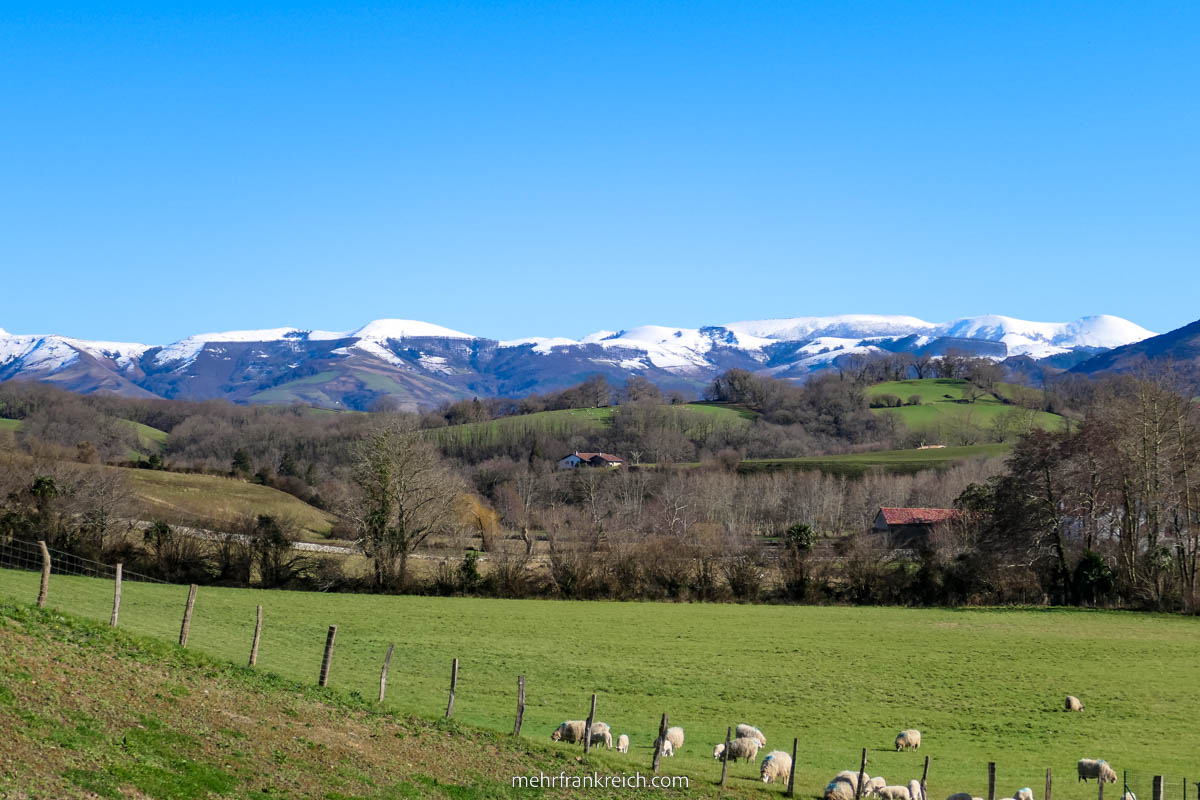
(575, 420)
(174, 493)
(10, 424)
(895, 461)
(980, 684)
(944, 417)
(150, 439)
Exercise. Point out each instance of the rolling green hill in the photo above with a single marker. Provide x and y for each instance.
(177, 494)
(945, 415)
(980, 684)
(566, 422)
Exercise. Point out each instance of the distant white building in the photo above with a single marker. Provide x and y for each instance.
(578, 459)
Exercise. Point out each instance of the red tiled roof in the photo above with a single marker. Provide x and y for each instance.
(917, 516)
(590, 456)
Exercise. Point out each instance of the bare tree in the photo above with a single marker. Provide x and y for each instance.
(405, 493)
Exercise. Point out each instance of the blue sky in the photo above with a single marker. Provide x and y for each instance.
(513, 169)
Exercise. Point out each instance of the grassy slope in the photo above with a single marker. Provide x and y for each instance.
(897, 461)
(938, 406)
(981, 684)
(85, 712)
(589, 418)
(213, 496)
(10, 424)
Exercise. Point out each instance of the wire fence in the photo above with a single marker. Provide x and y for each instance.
(20, 554)
(229, 638)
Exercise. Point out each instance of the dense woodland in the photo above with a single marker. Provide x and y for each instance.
(1106, 512)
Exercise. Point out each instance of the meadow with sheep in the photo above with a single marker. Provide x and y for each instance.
(979, 685)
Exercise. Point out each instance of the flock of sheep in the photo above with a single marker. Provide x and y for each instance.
(777, 765)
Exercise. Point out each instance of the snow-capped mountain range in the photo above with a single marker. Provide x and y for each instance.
(420, 364)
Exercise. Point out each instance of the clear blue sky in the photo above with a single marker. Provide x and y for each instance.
(515, 169)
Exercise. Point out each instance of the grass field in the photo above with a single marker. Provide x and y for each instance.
(982, 685)
(571, 420)
(149, 439)
(88, 712)
(177, 493)
(897, 461)
(942, 414)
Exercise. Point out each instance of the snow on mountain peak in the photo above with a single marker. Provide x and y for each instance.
(383, 329)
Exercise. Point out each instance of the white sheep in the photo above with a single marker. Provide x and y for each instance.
(871, 788)
(776, 765)
(894, 793)
(675, 737)
(623, 743)
(914, 789)
(1024, 793)
(749, 730)
(909, 739)
(1129, 796)
(570, 731)
(844, 785)
(1096, 768)
(667, 748)
(1072, 703)
(743, 747)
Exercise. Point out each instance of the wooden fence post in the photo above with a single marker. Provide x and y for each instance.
(520, 705)
(862, 768)
(112, 621)
(587, 727)
(44, 591)
(387, 662)
(725, 754)
(791, 787)
(186, 627)
(1158, 787)
(658, 743)
(924, 777)
(1101, 787)
(257, 636)
(991, 780)
(1047, 784)
(327, 659)
(453, 686)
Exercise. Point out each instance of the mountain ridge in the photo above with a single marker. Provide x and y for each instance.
(419, 363)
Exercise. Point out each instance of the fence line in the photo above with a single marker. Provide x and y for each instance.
(20, 554)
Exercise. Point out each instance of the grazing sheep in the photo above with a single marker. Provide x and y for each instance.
(570, 731)
(667, 748)
(844, 785)
(960, 796)
(1073, 704)
(742, 747)
(908, 740)
(871, 788)
(623, 743)
(675, 737)
(839, 789)
(914, 789)
(776, 765)
(602, 736)
(752, 732)
(1096, 768)
(895, 793)
(1024, 793)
